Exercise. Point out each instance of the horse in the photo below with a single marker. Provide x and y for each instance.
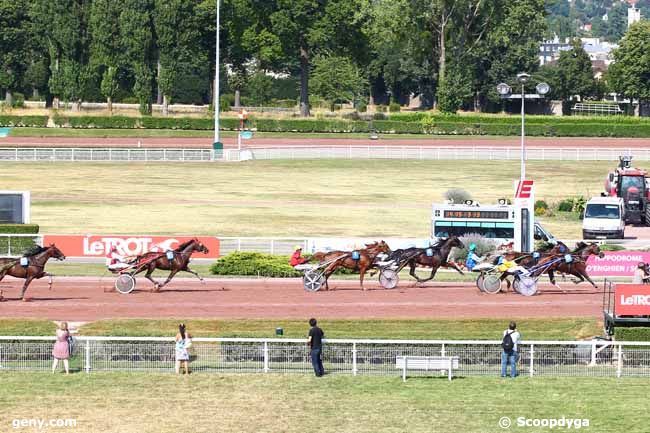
(345, 259)
(578, 266)
(326, 256)
(415, 257)
(35, 268)
(528, 260)
(180, 262)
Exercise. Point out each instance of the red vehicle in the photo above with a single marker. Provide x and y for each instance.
(632, 185)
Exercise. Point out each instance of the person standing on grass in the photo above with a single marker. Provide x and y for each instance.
(183, 342)
(316, 344)
(510, 354)
(61, 350)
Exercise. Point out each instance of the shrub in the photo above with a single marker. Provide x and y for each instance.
(19, 228)
(484, 247)
(259, 264)
(543, 246)
(632, 334)
(457, 195)
(18, 101)
(224, 104)
(381, 108)
(611, 247)
(379, 116)
(362, 107)
(565, 205)
(31, 121)
(394, 107)
(541, 204)
(130, 100)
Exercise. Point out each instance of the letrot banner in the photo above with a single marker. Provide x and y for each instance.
(616, 263)
(632, 300)
(127, 245)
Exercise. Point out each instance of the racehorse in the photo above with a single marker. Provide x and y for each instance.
(435, 256)
(578, 265)
(528, 260)
(179, 263)
(35, 268)
(345, 259)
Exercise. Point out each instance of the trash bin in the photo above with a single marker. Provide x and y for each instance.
(218, 150)
(279, 331)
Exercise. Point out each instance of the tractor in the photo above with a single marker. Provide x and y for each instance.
(633, 186)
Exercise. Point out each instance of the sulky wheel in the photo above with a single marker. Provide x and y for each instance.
(480, 281)
(492, 284)
(125, 283)
(388, 278)
(313, 280)
(527, 286)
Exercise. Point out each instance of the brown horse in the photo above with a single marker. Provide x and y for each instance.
(578, 266)
(438, 256)
(346, 259)
(35, 268)
(528, 260)
(178, 263)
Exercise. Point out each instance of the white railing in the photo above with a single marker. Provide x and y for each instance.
(377, 151)
(105, 154)
(344, 356)
(12, 245)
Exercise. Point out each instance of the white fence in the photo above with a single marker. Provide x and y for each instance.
(355, 357)
(374, 151)
(105, 154)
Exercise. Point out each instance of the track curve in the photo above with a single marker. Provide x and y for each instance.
(84, 299)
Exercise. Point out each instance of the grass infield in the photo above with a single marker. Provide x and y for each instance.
(328, 198)
(165, 403)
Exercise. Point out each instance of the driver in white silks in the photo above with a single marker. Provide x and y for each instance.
(115, 261)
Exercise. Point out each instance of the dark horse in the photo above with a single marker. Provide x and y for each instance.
(438, 256)
(179, 263)
(35, 268)
(578, 266)
(528, 260)
(345, 259)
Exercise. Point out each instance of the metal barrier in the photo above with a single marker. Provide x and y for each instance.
(105, 154)
(12, 245)
(433, 153)
(342, 356)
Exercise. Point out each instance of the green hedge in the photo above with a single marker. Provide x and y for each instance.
(30, 121)
(19, 228)
(632, 334)
(258, 264)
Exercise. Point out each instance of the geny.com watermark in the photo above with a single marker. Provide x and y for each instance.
(550, 423)
(42, 423)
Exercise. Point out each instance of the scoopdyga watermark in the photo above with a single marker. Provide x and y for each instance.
(549, 423)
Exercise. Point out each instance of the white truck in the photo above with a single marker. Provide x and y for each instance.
(604, 217)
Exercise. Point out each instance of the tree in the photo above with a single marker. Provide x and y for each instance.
(629, 75)
(105, 48)
(336, 79)
(455, 89)
(616, 22)
(574, 74)
(13, 43)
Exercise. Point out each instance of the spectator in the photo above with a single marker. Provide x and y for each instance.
(61, 350)
(510, 348)
(640, 274)
(316, 344)
(183, 342)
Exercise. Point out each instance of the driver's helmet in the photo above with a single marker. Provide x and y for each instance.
(501, 260)
(472, 247)
(297, 247)
(641, 265)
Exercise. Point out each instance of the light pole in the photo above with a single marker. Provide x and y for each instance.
(505, 91)
(217, 145)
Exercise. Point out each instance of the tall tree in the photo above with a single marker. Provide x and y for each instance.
(336, 79)
(14, 34)
(574, 74)
(629, 75)
(105, 48)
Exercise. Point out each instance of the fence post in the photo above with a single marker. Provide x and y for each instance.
(619, 368)
(354, 359)
(442, 350)
(266, 356)
(593, 352)
(87, 363)
(16, 153)
(272, 246)
(532, 357)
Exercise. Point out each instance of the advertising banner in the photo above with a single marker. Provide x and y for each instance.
(127, 245)
(632, 300)
(616, 263)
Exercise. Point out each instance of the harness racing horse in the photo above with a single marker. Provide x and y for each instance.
(35, 268)
(179, 263)
(528, 260)
(415, 257)
(365, 261)
(578, 266)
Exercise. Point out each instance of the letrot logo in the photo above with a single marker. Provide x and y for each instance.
(635, 300)
(524, 189)
(632, 299)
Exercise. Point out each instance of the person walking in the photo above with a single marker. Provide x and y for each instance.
(183, 342)
(316, 344)
(510, 354)
(61, 349)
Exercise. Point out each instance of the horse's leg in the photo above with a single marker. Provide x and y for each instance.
(434, 269)
(187, 269)
(413, 265)
(169, 278)
(551, 277)
(27, 281)
(362, 272)
(156, 284)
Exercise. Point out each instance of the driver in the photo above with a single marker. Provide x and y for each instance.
(296, 257)
(472, 258)
(115, 261)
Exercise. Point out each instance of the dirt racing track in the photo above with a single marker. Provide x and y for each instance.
(85, 299)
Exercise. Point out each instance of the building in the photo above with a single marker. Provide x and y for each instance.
(633, 15)
(597, 50)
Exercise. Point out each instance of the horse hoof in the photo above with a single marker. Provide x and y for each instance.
(26, 299)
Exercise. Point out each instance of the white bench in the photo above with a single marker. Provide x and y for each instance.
(426, 363)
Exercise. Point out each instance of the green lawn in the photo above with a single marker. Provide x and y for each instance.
(161, 403)
(330, 198)
(445, 329)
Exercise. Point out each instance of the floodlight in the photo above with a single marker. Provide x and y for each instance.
(543, 88)
(503, 89)
(523, 77)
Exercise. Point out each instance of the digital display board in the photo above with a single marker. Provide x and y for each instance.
(477, 214)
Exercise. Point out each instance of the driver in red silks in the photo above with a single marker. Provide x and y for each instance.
(296, 257)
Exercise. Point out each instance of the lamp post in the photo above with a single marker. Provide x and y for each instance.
(217, 145)
(505, 92)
